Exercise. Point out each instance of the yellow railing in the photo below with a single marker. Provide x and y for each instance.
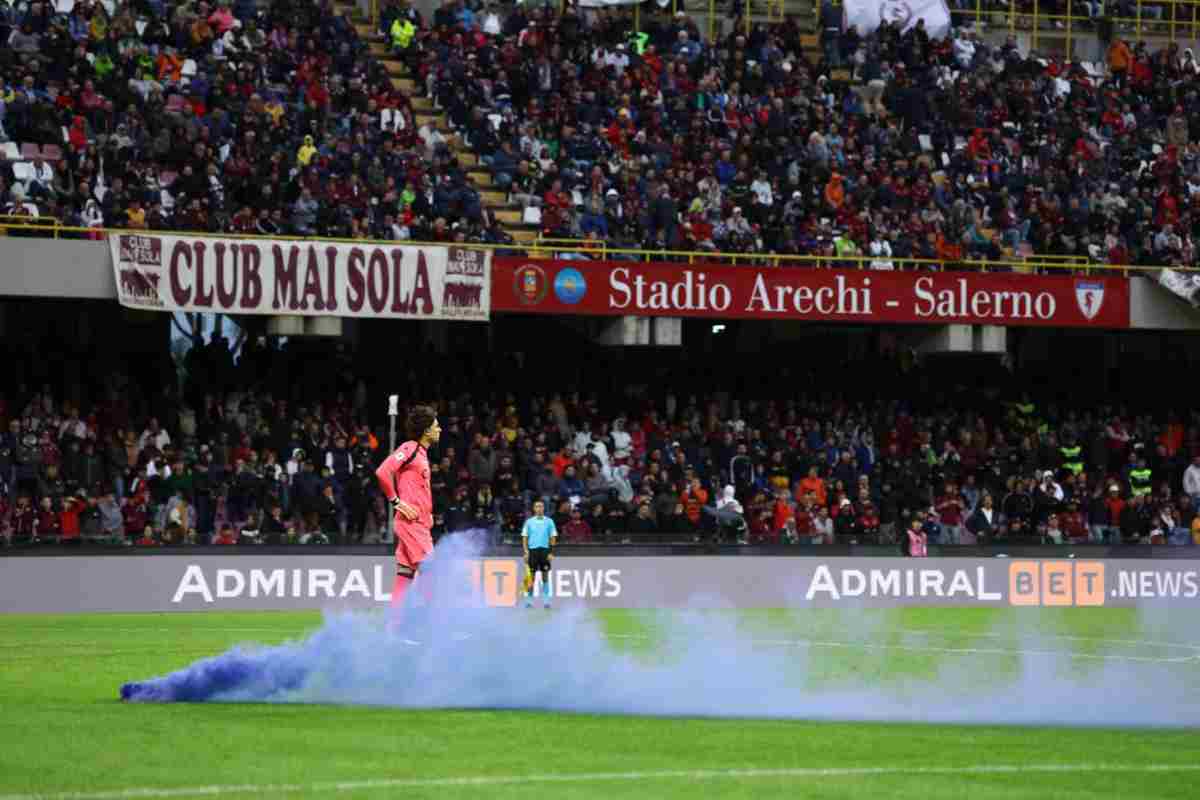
(548, 247)
(1177, 20)
(26, 221)
(545, 247)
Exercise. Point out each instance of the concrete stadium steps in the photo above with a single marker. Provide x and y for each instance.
(424, 112)
(483, 180)
(509, 216)
(434, 119)
(496, 201)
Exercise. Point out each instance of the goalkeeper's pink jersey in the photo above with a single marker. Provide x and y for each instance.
(405, 474)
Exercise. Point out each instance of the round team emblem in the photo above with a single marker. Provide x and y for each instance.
(529, 285)
(570, 286)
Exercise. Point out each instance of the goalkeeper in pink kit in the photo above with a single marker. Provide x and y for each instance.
(404, 479)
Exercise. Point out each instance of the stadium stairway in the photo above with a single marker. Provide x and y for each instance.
(508, 214)
(496, 201)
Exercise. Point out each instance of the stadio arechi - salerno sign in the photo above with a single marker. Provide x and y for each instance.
(621, 288)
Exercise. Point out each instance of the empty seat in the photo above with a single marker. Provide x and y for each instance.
(29, 150)
(52, 152)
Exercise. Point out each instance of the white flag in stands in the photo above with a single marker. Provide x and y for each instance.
(866, 14)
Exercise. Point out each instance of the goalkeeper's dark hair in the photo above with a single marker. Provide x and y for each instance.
(418, 421)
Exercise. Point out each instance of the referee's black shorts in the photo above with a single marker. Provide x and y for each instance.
(539, 559)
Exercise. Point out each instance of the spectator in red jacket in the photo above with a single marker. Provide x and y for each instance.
(24, 521)
(147, 538)
(694, 498)
(226, 536)
(1074, 525)
(577, 530)
(781, 513)
(49, 522)
(950, 510)
(868, 519)
(72, 505)
(136, 514)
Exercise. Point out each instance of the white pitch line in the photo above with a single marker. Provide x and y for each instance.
(1193, 649)
(912, 631)
(597, 777)
(930, 649)
(1054, 636)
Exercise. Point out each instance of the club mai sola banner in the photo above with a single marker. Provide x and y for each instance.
(827, 295)
(307, 278)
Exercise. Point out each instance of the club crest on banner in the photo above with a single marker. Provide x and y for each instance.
(1089, 295)
(530, 285)
(139, 269)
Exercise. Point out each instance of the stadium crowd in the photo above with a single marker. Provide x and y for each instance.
(228, 460)
(277, 119)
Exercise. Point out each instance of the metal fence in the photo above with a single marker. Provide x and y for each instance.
(594, 249)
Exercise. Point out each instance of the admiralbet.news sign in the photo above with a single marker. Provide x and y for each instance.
(806, 293)
(187, 582)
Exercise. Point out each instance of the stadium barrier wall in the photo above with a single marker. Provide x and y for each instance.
(188, 582)
(82, 268)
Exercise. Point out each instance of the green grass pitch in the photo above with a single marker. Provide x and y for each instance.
(63, 733)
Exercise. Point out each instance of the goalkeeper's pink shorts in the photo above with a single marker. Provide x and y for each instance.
(413, 543)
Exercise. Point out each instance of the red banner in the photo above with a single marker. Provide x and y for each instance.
(544, 286)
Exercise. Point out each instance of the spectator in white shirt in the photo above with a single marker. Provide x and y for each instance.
(158, 467)
(491, 22)
(41, 174)
(1191, 482)
(621, 439)
(617, 59)
(73, 426)
(761, 187)
(154, 435)
(881, 252)
(92, 216)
